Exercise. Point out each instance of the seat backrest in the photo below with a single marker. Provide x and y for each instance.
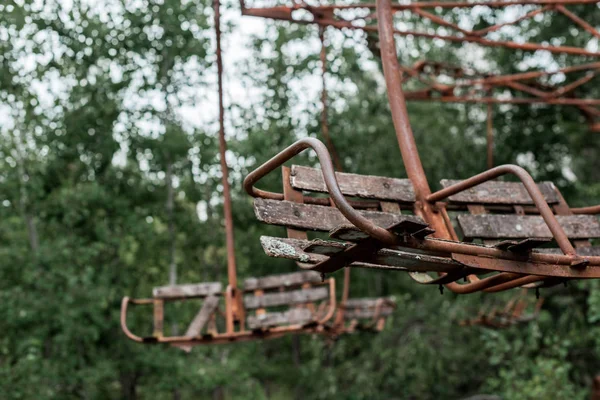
(208, 291)
(286, 299)
(379, 199)
(504, 210)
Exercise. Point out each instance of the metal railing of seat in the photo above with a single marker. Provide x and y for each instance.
(516, 265)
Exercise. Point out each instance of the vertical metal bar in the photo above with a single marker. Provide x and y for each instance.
(490, 137)
(336, 158)
(158, 317)
(324, 124)
(393, 79)
(231, 267)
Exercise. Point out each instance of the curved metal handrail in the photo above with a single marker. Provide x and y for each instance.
(448, 246)
(532, 189)
(589, 210)
(124, 327)
(230, 334)
(333, 187)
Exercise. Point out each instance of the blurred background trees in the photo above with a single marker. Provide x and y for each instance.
(109, 185)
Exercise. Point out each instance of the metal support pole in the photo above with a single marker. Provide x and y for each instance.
(490, 137)
(231, 265)
(393, 78)
(325, 130)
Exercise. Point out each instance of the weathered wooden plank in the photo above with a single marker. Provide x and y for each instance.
(526, 226)
(286, 298)
(187, 290)
(295, 316)
(368, 313)
(363, 186)
(383, 259)
(409, 227)
(282, 280)
(496, 192)
(367, 302)
(201, 319)
(317, 218)
(208, 308)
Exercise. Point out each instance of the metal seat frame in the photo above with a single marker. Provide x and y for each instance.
(235, 310)
(514, 269)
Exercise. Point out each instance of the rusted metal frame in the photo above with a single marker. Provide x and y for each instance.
(232, 299)
(440, 21)
(328, 8)
(330, 181)
(408, 147)
(457, 4)
(490, 136)
(532, 189)
(508, 281)
(529, 15)
(243, 335)
(493, 100)
(513, 81)
(574, 85)
(324, 108)
(435, 245)
(589, 28)
(234, 308)
(291, 194)
(591, 210)
(521, 76)
(346, 215)
(559, 7)
(234, 304)
(285, 13)
(330, 145)
(458, 39)
(526, 88)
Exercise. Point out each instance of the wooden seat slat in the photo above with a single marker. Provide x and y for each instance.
(317, 218)
(366, 302)
(201, 319)
(187, 290)
(384, 258)
(368, 313)
(286, 298)
(296, 316)
(282, 280)
(497, 192)
(362, 186)
(493, 226)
